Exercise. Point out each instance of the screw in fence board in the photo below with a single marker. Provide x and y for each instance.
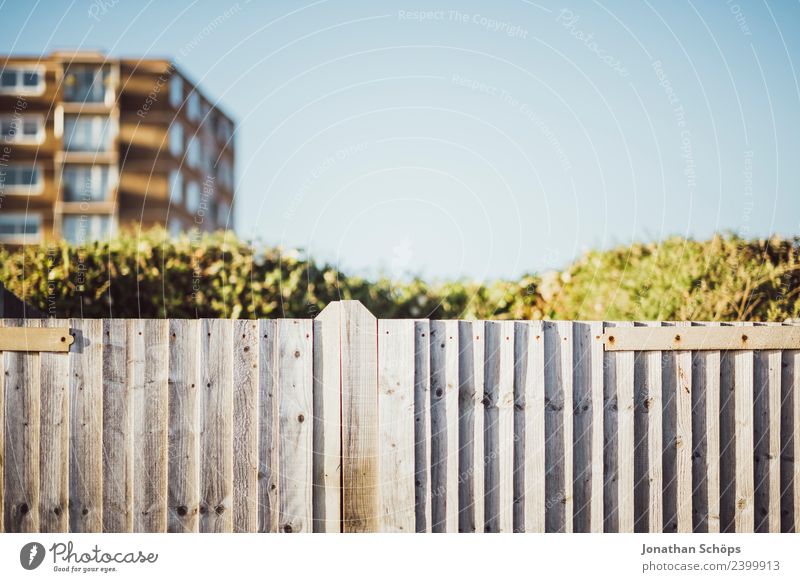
(359, 389)
(183, 493)
(396, 425)
(327, 490)
(22, 378)
(470, 426)
(295, 412)
(86, 427)
(268, 426)
(118, 436)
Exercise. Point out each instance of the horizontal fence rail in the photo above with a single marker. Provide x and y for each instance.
(350, 423)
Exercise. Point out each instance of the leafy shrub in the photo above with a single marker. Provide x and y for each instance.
(216, 275)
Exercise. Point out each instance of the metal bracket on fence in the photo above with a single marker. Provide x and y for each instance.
(35, 339)
(777, 337)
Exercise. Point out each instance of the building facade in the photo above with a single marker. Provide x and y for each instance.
(90, 145)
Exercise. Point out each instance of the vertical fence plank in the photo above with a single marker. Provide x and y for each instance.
(683, 436)
(396, 425)
(790, 439)
(706, 439)
(359, 353)
(744, 516)
(184, 416)
(268, 427)
(654, 435)
(327, 429)
(583, 427)
(216, 436)
(3, 463)
(23, 413)
(727, 440)
(54, 441)
(619, 445)
(444, 425)
(422, 424)
(295, 450)
(245, 426)
(470, 426)
(86, 427)
(150, 409)
(598, 429)
(530, 436)
(118, 440)
(499, 418)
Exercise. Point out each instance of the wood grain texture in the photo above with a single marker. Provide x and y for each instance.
(216, 432)
(727, 442)
(54, 441)
(359, 353)
(744, 513)
(704, 338)
(444, 425)
(22, 437)
(150, 424)
(86, 427)
(582, 427)
(396, 425)
(471, 426)
(422, 426)
(245, 425)
(499, 447)
(183, 489)
(327, 421)
(295, 450)
(683, 436)
(268, 427)
(118, 437)
(598, 429)
(34, 338)
(790, 441)
(3, 464)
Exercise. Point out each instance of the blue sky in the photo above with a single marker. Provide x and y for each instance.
(477, 139)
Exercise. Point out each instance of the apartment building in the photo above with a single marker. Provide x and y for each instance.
(90, 145)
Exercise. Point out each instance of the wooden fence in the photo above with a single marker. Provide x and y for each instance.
(348, 423)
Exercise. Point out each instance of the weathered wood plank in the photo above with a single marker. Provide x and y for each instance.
(184, 432)
(118, 437)
(670, 435)
(327, 422)
(22, 437)
(471, 426)
(3, 463)
(704, 338)
(744, 515)
(584, 469)
(86, 427)
(444, 425)
(295, 400)
(597, 391)
(216, 432)
(54, 441)
(683, 435)
(790, 441)
(727, 471)
(34, 338)
(268, 427)
(150, 423)
(359, 353)
(422, 424)
(396, 424)
(245, 426)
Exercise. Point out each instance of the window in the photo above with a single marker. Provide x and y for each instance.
(22, 80)
(176, 138)
(22, 128)
(86, 84)
(175, 91)
(21, 179)
(193, 106)
(193, 153)
(222, 213)
(20, 227)
(175, 228)
(176, 187)
(82, 228)
(225, 174)
(192, 197)
(84, 183)
(87, 133)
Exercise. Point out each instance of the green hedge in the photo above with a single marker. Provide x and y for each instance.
(216, 275)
